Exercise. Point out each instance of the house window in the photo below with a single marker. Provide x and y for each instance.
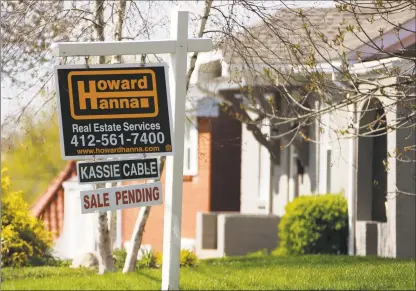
(190, 163)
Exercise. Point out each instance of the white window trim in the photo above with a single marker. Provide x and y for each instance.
(264, 171)
(190, 163)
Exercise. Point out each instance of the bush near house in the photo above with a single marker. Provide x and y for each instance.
(188, 259)
(150, 259)
(119, 256)
(153, 260)
(314, 225)
(24, 239)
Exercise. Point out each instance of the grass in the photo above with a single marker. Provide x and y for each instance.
(262, 272)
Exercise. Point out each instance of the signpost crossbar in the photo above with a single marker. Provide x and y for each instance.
(106, 48)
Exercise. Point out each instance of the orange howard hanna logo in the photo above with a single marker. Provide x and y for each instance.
(106, 94)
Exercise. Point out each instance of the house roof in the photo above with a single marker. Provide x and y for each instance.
(272, 42)
(201, 104)
(49, 207)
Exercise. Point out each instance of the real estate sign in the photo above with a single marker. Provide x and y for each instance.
(114, 198)
(117, 170)
(114, 110)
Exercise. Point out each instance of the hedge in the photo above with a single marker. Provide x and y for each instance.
(24, 239)
(314, 225)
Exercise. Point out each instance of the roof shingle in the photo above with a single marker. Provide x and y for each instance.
(284, 38)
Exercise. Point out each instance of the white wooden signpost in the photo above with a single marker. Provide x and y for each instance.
(178, 47)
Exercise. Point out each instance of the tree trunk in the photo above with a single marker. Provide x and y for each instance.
(118, 33)
(107, 261)
(99, 24)
(104, 242)
(112, 228)
(137, 235)
(118, 36)
(204, 19)
(136, 240)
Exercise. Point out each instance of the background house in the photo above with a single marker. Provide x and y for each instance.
(385, 214)
(233, 191)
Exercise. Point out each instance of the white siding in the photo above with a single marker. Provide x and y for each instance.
(255, 175)
(79, 234)
(249, 172)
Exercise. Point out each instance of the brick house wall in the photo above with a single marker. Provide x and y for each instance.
(196, 197)
(216, 187)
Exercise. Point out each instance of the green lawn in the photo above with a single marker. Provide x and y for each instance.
(306, 272)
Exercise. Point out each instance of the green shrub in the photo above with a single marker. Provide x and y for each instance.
(38, 145)
(314, 225)
(119, 256)
(258, 254)
(150, 259)
(24, 239)
(188, 259)
(153, 260)
(63, 263)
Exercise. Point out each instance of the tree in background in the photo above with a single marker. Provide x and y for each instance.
(33, 156)
(30, 27)
(28, 30)
(312, 66)
(302, 55)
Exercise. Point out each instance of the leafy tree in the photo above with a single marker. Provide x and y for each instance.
(33, 157)
(30, 28)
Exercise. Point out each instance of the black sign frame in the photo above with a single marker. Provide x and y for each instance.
(126, 124)
(120, 169)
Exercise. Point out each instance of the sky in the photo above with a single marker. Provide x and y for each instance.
(14, 99)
